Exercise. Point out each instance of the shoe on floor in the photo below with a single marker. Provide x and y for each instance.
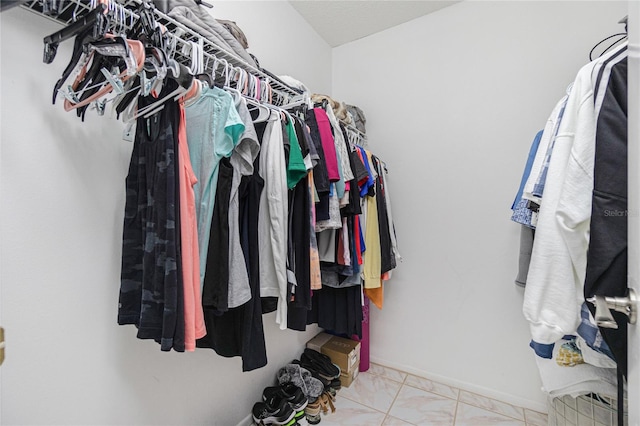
(274, 411)
(302, 378)
(312, 412)
(319, 362)
(290, 393)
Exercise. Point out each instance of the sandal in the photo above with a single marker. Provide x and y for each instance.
(302, 378)
(321, 363)
(312, 412)
(314, 372)
(336, 384)
(326, 402)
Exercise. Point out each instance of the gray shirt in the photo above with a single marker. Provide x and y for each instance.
(242, 160)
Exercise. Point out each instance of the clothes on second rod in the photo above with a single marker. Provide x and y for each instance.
(576, 183)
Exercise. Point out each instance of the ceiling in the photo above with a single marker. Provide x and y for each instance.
(341, 21)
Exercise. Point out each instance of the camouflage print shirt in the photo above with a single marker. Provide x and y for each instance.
(150, 278)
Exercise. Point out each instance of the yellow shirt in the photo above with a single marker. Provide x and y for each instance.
(372, 256)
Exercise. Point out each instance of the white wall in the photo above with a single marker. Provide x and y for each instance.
(282, 41)
(62, 203)
(453, 100)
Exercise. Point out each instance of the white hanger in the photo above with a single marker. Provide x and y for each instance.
(235, 72)
(263, 112)
(158, 105)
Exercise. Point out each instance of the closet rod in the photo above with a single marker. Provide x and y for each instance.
(71, 30)
(51, 41)
(214, 51)
(282, 91)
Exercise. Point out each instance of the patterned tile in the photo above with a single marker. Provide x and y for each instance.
(376, 392)
(389, 373)
(392, 421)
(423, 408)
(351, 413)
(533, 418)
(431, 386)
(468, 415)
(492, 405)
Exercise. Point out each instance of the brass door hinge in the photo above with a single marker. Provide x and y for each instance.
(1, 345)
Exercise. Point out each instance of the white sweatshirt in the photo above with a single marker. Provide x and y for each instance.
(553, 293)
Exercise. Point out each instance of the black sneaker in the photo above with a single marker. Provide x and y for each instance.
(274, 411)
(290, 393)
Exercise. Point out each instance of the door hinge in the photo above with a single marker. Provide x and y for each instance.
(1, 345)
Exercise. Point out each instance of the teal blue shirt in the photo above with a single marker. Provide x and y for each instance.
(213, 130)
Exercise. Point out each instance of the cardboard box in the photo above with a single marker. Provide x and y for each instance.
(347, 378)
(345, 353)
(318, 341)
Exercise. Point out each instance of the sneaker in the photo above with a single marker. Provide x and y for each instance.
(290, 393)
(273, 412)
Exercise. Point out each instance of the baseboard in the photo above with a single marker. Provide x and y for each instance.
(469, 387)
(247, 421)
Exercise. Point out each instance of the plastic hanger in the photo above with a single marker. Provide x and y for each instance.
(204, 76)
(254, 105)
(137, 49)
(93, 39)
(158, 105)
(194, 91)
(263, 112)
(230, 77)
(622, 37)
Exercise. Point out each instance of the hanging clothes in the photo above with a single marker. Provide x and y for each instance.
(227, 218)
(606, 271)
(209, 141)
(272, 224)
(242, 158)
(551, 302)
(580, 241)
(193, 314)
(215, 291)
(299, 231)
(151, 291)
(299, 286)
(239, 330)
(559, 258)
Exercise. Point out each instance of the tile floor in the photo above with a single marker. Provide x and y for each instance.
(386, 397)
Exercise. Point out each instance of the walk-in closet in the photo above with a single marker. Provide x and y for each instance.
(294, 212)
